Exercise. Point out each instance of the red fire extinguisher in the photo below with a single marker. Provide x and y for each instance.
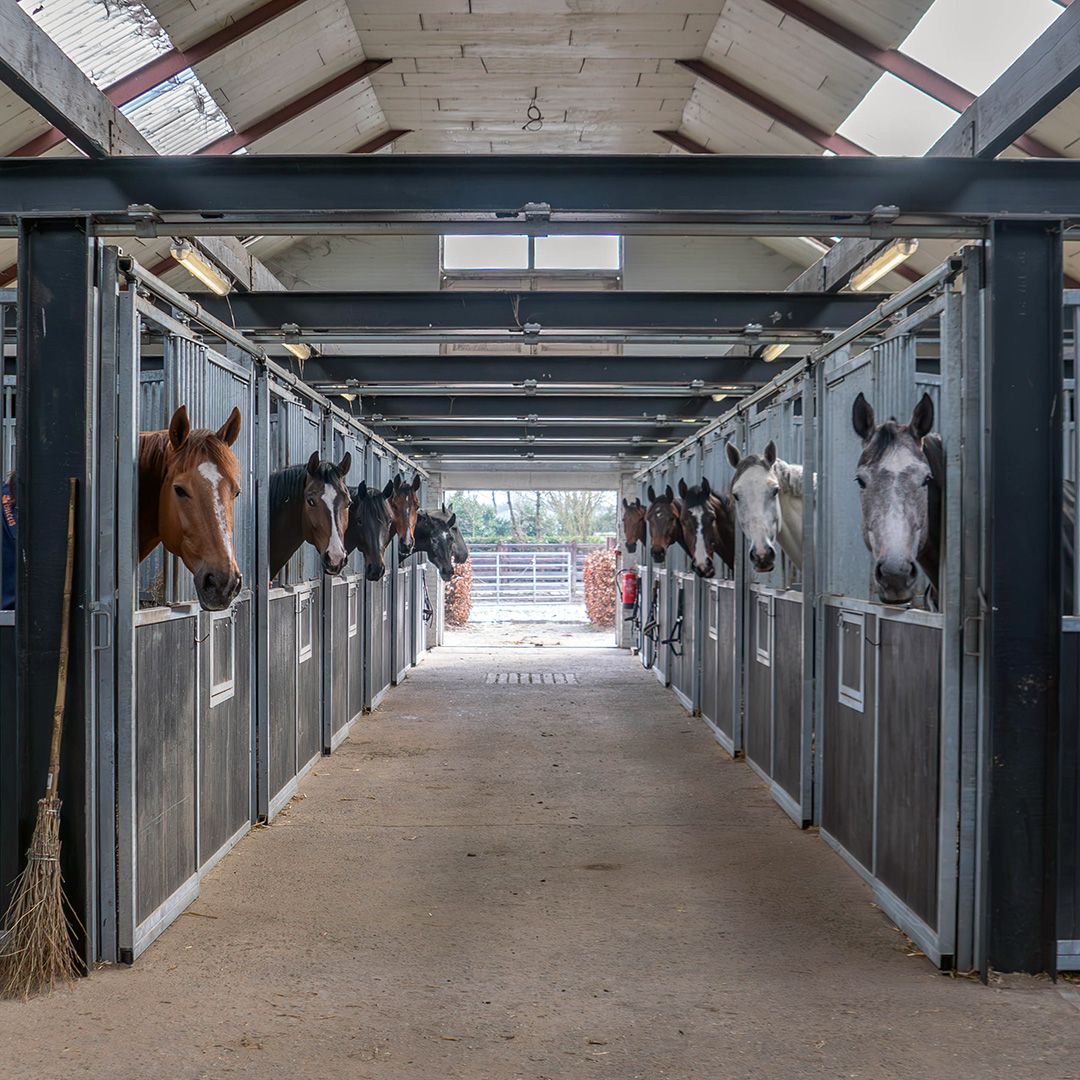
(628, 582)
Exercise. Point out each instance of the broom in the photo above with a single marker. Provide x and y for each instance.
(39, 951)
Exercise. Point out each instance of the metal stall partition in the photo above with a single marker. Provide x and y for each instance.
(721, 632)
(1068, 918)
(686, 586)
(290, 721)
(777, 690)
(9, 751)
(343, 651)
(379, 599)
(403, 635)
(888, 763)
(185, 731)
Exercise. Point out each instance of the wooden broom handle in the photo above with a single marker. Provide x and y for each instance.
(65, 624)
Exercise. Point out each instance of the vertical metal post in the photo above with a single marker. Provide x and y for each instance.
(1023, 495)
(326, 653)
(810, 414)
(56, 404)
(260, 764)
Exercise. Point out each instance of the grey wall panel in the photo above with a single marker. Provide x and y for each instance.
(165, 761)
(757, 731)
(787, 696)
(338, 653)
(847, 772)
(709, 652)
(356, 655)
(725, 664)
(909, 714)
(282, 733)
(9, 769)
(225, 746)
(309, 688)
(1069, 867)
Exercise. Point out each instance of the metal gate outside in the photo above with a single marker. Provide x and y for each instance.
(523, 576)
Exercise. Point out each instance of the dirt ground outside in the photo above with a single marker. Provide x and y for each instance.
(530, 864)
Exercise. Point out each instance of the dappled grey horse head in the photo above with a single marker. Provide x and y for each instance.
(755, 492)
(663, 519)
(696, 526)
(894, 475)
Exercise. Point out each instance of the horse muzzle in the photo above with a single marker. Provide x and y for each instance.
(763, 561)
(447, 575)
(374, 573)
(658, 554)
(333, 566)
(631, 546)
(405, 550)
(895, 580)
(707, 571)
(217, 590)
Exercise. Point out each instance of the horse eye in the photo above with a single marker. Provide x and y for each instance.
(311, 502)
(181, 493)
(735, 496)
(236, 496)
(926, 480)
(775, 493)
(860, 481)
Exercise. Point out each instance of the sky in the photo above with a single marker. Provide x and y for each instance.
(971, 42)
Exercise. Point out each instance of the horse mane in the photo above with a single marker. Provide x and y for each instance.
(154, 447)
(289, 483)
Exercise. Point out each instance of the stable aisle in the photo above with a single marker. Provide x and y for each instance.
(530, 863)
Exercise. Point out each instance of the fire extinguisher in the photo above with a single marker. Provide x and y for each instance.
(628, 583)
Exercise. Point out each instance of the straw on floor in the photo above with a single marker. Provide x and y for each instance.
(38, 951)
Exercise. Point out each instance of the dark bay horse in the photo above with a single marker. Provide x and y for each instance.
(460, 550)
(310, 503)
(434, 537)
(664, 526)
(633, 524)
(901, 478)
(708, 527)
(188, 482)
(371, 527)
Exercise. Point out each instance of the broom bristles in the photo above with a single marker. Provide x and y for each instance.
(38, 951)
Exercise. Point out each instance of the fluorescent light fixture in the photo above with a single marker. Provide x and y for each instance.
(771, 352)
(298, 349)
(199, 267)
(719, 397)
(881, 264)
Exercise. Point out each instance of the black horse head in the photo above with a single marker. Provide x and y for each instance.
(370, 527)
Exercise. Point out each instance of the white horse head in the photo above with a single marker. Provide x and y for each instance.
(755, 491)
(895, 476)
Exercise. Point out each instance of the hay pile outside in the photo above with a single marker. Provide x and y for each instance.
(599, 580)
(459, 595)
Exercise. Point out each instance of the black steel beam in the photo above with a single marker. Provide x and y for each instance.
(525, 405)
(450, 310)
(1023, 639)
(55, 403)
(538, 449)
(481, 367)
(670, 430)
(315, 190)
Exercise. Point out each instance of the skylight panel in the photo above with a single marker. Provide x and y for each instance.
(485, 252)
(179, 116)
(577, 253)
(973, 41)
(896, 120)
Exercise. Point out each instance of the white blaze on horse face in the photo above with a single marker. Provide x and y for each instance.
(336, 548)
(210, 472)
(757, 506)
(701, 555)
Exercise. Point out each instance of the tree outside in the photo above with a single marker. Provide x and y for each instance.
(534, 516)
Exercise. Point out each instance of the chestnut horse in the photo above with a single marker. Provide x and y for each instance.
(404, 506)
(310, 503)
(633, 524)
(188, 482)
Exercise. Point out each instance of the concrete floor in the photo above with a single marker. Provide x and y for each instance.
(536, 880)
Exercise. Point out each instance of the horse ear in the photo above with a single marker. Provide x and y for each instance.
(179, 428)
(313, 464)
(770, 453)
(683, 489)
(388, 491)
(452, 522)
(862, 418)
(361, 489)
(652, 494)
(922, 419)
(416, 482)
(625, 504)
(343, 465)
(733, 455)
(229, 432)
(669, 494)
(705, 488)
